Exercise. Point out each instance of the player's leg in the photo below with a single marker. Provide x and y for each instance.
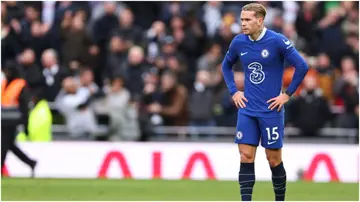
(6, 141)
(246, 176)
(247, 138)
(22, 156)
(272, 135)
(278, 173)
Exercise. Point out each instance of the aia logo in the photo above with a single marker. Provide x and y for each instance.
(315, 162)
(157, 163)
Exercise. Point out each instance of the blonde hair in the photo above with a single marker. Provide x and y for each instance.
(260, 10)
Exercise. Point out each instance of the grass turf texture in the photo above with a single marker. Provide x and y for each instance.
(165, 190)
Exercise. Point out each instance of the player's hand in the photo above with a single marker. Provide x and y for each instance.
(278, 101)
(239, 99)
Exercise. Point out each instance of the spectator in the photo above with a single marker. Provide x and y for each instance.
(172, 105)
(212, 15)
(10, 45)
(184, 38)
(352, 48)
(37, 40)
(326, 74)
(32, 72)
(306, 25)
(172, 9)
(310, 103)
(99, 10)
(31, 15)
(291, 9)
(135, 68)
(347, 88)
(351, 23)
(210, 59)
(3, 10)
(154, 35)
(73, 103)
(131, 33)
(224, 36)
(76, 41)
(168, 46)
(116, 57)
(92, 59)
(123, 116)
(145, 14)
(201, 101)
(105, 24)
(216, 78)
(53, 74)
(329, 29)
(151, 80)
(277, 24)
(86, 80)
(174, 64)
(198, 28)
(15, 9)
(149, 96)
(48, 12)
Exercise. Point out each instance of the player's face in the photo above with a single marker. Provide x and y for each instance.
(250, 24)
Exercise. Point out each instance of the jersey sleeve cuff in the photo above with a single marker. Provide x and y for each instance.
(287, 92)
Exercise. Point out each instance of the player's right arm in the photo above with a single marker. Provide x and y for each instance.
(227, 64)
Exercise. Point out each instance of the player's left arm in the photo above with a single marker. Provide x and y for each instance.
(301, 68)
(229, 60)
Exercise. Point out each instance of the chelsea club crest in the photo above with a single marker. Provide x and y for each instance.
(264, 53)
(239, 135)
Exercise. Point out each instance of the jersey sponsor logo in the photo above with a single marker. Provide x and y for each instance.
(243, 53)
(239, 135)
(264, 53)
(257, 76)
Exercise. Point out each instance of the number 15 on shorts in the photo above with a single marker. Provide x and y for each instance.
(272, 135)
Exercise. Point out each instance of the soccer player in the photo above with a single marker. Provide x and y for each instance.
(262, 53)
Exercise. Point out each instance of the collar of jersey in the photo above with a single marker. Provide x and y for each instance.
(261, 35)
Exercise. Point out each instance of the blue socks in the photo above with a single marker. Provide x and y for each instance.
(246, 180)
(279, 181)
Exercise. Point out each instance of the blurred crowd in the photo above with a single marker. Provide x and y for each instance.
(159, 63)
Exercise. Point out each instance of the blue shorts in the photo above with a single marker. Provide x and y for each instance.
(250, 130)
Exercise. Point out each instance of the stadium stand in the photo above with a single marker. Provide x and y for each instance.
(140, 71)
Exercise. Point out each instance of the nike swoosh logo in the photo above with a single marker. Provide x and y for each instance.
(269, 143)
(286, 42)
(243, 53)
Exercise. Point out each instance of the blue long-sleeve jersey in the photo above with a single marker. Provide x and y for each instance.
(263, 62)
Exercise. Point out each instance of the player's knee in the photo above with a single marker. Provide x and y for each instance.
(247, 156)
(274, 159)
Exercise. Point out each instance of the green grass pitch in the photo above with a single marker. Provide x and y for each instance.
(165, 190)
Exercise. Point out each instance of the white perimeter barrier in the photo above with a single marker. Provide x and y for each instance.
(197, 161)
